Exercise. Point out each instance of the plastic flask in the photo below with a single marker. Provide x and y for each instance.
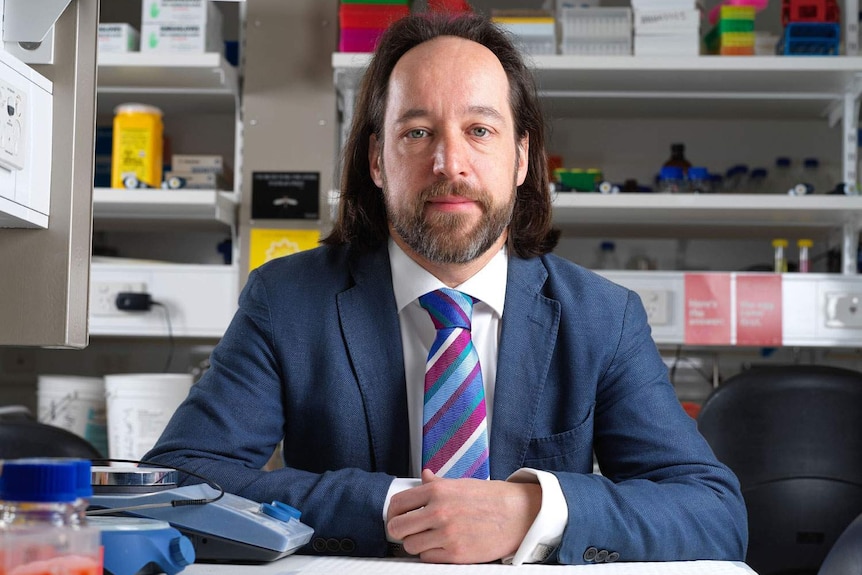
(677, 158)
(699, 180)
(780, 247)
(804, 246)
(671, 180)
(40, 530)
(606, 258)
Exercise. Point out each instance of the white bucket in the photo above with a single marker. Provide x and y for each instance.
(139, 408)
(76, 404)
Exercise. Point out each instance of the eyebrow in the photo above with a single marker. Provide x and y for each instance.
(487, 111)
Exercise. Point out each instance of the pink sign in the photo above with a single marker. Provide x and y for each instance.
(707, 309)
(758, 309)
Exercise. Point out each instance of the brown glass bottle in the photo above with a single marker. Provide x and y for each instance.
(677, 158)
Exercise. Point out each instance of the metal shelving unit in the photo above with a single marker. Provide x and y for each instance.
(694, 87)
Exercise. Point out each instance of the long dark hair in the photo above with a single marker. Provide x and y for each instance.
(361, 220)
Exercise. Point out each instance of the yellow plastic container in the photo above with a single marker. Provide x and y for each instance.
(137, 147)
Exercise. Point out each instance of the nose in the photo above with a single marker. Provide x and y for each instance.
(450, 157)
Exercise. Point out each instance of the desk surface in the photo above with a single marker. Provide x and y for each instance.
(307, 565)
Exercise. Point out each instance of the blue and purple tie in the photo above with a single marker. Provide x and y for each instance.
(454, 428)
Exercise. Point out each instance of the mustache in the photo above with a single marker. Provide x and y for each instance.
(446, 188)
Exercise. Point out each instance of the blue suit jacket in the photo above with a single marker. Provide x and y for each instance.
(313, 355)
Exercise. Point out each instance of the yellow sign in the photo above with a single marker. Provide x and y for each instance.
(268, 244)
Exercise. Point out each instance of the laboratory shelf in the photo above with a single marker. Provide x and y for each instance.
(705, 215)
(175, 82)
(192, 209)
(787, 87)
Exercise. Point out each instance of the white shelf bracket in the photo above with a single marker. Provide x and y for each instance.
(850, 244)
(849, 144)
(29, 21)
(851, 28)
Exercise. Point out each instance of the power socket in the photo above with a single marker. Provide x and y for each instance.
(657, 305)
(844, 309)
(103, 296)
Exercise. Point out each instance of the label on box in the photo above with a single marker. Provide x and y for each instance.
(660, 21)
(285, 195)
(176, 11)
(177, 38)
(197, 164)
(708, 310)
(758, 310)
(117, 38)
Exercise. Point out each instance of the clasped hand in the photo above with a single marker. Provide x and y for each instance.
(463, 520)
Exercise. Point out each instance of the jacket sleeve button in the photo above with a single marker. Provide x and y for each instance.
(319, 544)
(613, 556)
(602, 556)
(348, 545)
(590, 554)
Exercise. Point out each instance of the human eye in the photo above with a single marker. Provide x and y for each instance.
(481, 131)
(416, 133)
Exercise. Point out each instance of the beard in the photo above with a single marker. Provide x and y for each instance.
(447, 238)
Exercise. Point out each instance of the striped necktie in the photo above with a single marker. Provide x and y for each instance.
(454, 428)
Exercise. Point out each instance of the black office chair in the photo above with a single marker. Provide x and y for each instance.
(22, 437)
(845, 557)
(793, 436)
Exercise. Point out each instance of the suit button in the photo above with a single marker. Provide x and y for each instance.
(332, 545)
(613, 556)
(348, 545)
(602, 556)
(319, 544)
(590, 554)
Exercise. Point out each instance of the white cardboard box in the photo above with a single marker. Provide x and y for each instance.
(664, 21)
(179, 37)
(118, 38)
(170, 11)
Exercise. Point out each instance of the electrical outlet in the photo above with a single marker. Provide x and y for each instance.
(103, 296)
(657, 305)
(844, 309)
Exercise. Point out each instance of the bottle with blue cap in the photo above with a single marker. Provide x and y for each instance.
(40, 523)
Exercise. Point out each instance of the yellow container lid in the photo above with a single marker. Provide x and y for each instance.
(779, 243)
(805, 243)
(136, 108)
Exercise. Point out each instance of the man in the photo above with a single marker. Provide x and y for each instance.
(445, 186)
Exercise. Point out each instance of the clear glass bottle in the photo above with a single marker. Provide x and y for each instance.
(40, 529)
(756, 183)
(699, 181)
(606, 257)
(781, 180)
(804, 246)
(671, 180)
(779, 245)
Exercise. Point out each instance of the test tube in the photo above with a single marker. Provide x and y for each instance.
(780, 246)
(804, 258)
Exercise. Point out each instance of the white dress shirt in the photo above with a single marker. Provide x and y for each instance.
(410, 281)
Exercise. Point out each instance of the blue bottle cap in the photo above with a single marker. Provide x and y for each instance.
(605, 246)
(811, 162)
(758, 173)
(670, 173)
(83, 478)
(698, 173)
(39, 480)
(782, 162)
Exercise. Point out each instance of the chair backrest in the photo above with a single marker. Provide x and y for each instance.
(845, 557)
(26, 438)
(793, 436)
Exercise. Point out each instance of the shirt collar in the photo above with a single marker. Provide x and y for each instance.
(410, 280)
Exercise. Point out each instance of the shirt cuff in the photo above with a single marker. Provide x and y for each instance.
(546, 532)
(398, 485)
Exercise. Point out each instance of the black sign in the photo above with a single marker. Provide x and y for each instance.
(285, 195)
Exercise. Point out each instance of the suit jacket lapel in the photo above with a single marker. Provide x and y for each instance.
(369, 324)
(529, 329)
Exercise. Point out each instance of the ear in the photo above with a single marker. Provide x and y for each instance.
(523, 158)
(374, 162)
